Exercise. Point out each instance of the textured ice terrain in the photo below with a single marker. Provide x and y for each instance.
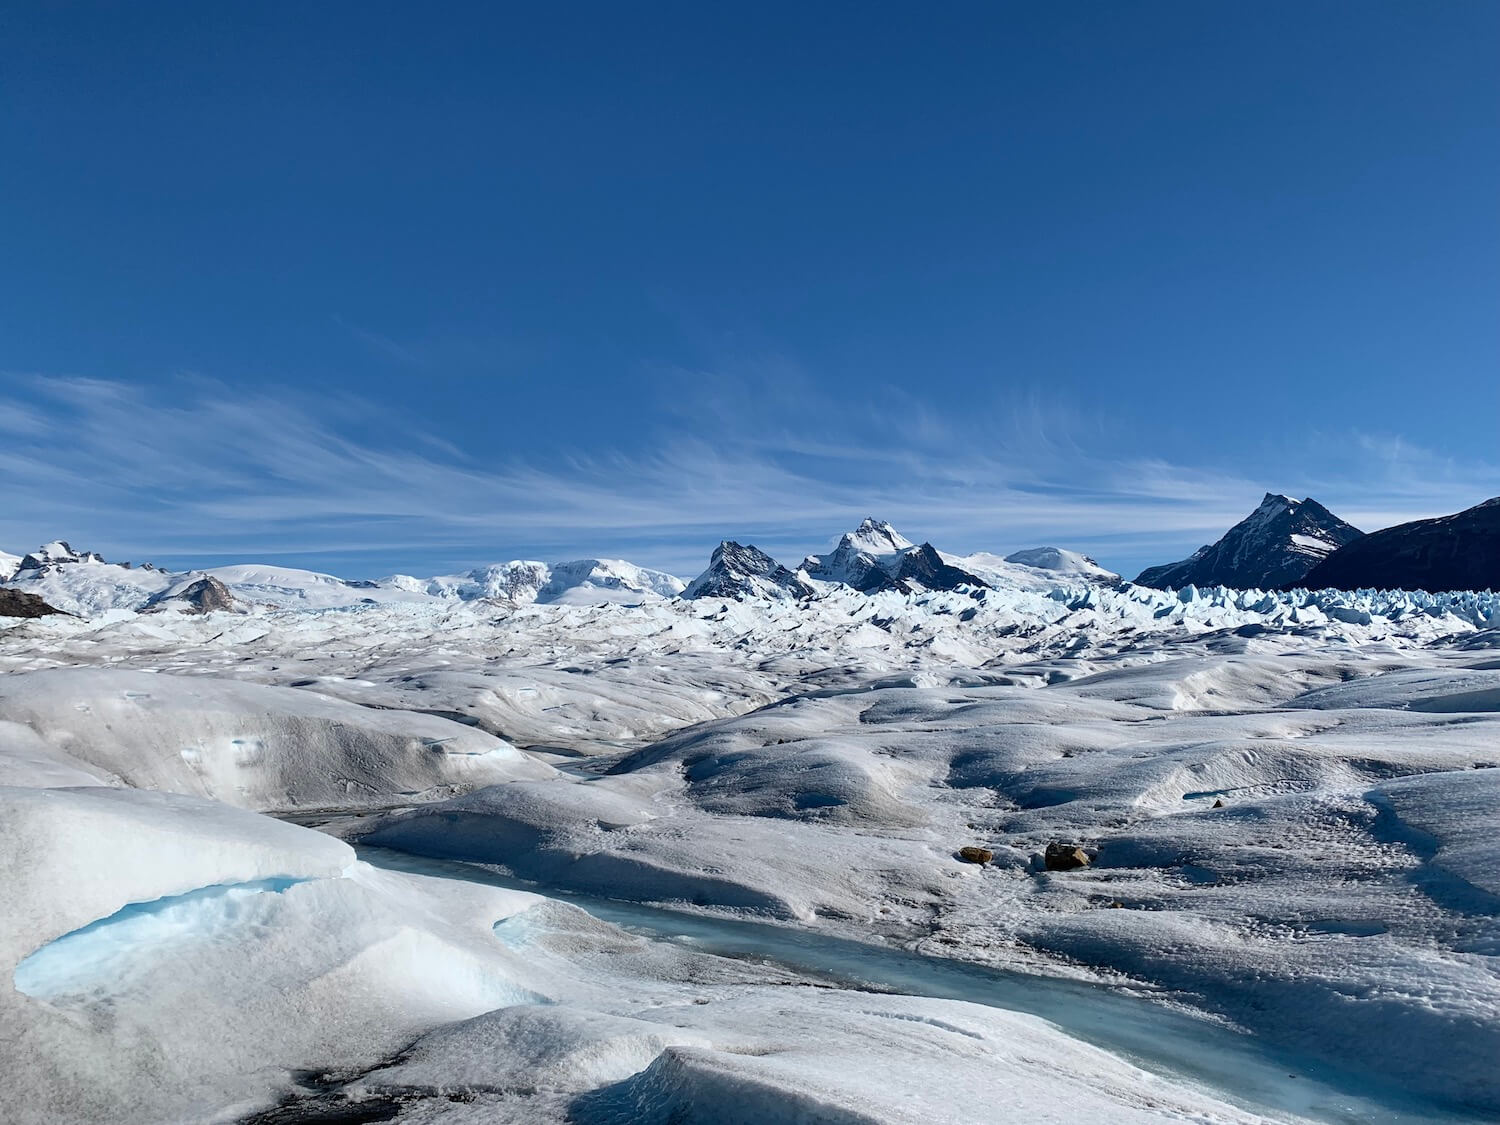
(1290, 802)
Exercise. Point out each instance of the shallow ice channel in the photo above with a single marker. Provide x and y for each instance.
(1234, 1066)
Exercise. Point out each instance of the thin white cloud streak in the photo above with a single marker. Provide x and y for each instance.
(211, 471)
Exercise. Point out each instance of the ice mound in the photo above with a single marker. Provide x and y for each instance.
(533, 1046)
(917, 1061)
(202, 953)
(249, 744)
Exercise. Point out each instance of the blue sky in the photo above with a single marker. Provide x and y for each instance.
(381, 287)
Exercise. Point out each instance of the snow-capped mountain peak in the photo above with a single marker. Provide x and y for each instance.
(875, 556)
(861, 556)
(56, 553)
(877, 537)
(1274, 546)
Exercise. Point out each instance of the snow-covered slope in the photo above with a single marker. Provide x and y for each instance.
(285, 587)
(1056, 560)
(579, 582)
(82, 583)
(1039, 569)
(9, 564)
(1272, 548)
(599, 581)
(519, 581)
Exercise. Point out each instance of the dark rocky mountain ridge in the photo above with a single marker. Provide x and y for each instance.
(1273, 547)
(738, 570)
(1457, 552)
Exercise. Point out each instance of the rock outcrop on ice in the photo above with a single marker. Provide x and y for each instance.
(18, 603)
(195, 595)
(736, 570)
(920, 568)
(1457, 552)
(1272, 548)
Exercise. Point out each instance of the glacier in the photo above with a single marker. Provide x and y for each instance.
(461, 850)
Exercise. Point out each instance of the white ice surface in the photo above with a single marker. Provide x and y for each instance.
(813, 764)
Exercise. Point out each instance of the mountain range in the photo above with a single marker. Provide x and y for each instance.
(872, 558)
(1283, 544)
(1286, 544)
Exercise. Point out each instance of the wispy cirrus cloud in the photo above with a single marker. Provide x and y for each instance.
(199, 470)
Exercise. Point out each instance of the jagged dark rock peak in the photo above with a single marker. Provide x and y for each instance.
(737, 570)
(18, 603)
(1457, 552)
(1273, 547)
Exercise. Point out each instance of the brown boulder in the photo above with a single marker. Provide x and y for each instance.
(1065, 857)
(975, 855)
